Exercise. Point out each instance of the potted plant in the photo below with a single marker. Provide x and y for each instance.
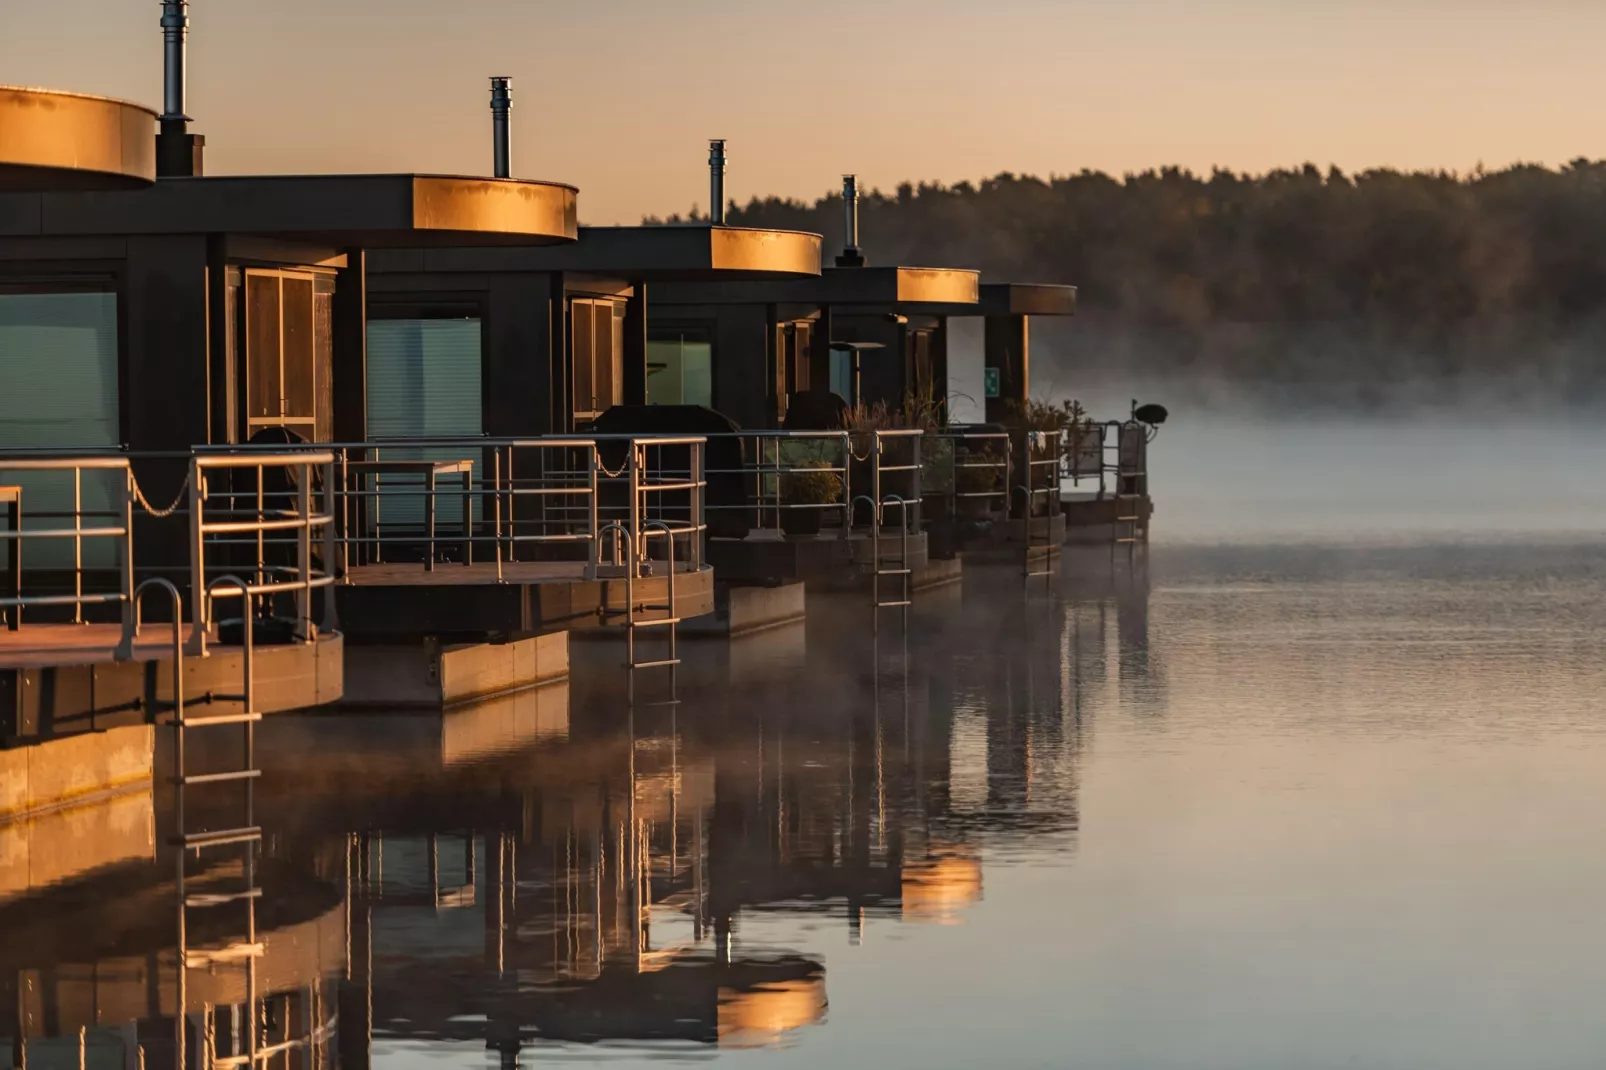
(812, 484)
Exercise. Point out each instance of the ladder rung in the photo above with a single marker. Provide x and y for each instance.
(664, 664)
(217, 899)
(656, 623)
(198, 958)
(221, 719)
(218, 837)
(895, 572)
(893, 605)
(218, 778)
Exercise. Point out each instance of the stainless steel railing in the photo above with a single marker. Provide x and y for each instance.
(267, 521)
(973, 468)
(797, 481)
(23, 478)
(228, 516)
(507, 499)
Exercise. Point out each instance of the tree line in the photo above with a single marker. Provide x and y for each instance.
(1329, 286)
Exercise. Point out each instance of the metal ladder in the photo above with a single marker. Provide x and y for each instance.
(236, 887)
(633, 620)
(903, 573)
(1131, 488)
(1045, 567)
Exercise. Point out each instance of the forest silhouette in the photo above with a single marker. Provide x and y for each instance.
(1304, 285)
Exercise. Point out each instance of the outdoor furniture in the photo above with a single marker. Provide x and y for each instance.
(432, 471)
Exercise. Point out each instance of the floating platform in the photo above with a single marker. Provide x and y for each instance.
(432, 675)
(1090, 521)
(743, 609)
(768, 555)
(61, 679)
(996, 541)
(401, 602)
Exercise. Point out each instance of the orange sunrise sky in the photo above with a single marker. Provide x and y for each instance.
(619, 99)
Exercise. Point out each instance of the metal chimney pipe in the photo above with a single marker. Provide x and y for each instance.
(850, 208)
(502, 134)
(716, 182)
(175, 31)
(851, 256)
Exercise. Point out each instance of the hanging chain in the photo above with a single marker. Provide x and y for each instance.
(144, 503)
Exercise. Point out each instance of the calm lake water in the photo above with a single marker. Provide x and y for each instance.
(1327, 798)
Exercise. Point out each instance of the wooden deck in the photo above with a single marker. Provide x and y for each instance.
(38, 645)
(413, 574)
(68, 679)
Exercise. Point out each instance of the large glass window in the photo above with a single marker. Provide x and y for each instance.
(680, 371)
(424, 382)
(58, 370)
(58, 389)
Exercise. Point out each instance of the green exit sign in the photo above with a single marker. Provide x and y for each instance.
(994, 381)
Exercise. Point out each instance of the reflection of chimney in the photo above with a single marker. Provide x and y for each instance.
(502, 135)
(716, 182)
(851, 256)
(178, 152)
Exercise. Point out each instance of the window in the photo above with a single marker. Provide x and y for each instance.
(424, 382)
(680, 371)
(596, 346)
(842, 361)
(58, 370)
(288, 346)
(58, 388)
(922, 383)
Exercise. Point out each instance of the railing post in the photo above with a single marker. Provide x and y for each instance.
(201, 605)
(637, 456)
(593, 530)
(915, 483)
(875, 478)
(130, 619)
(334, 565)
(78, 544)
(303, 550)
(496, 518)
(699, 506)
(847, 483)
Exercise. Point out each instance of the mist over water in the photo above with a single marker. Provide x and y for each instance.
(1234, 476)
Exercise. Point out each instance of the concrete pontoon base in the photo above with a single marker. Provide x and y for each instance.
(433, 675)
(742, 609)
(768, 555)
(1090, 522)
(57, 679)
(402, 603)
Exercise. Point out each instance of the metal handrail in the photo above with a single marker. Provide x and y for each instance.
(770, 467)
(995, 468)
(1041, 473)
(569, 499)
(643, 483)
(491, 484)
(16, 536)
(302, 521)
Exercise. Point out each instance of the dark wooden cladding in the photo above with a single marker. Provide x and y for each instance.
(340, 210)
